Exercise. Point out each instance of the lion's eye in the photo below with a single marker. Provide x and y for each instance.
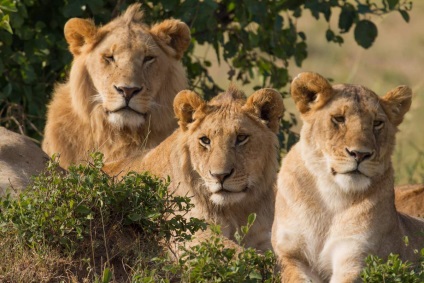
(338, 119)
(148, 59)
(241, 139)
(109, 58)
(205, 140)
(378, 124)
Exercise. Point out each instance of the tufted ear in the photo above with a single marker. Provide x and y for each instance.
(310, 91)
(174, 34)
(267, 104)
(186, 102)
(396, 103)
(79, 32)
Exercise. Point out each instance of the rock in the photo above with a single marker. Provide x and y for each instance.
(20, 158)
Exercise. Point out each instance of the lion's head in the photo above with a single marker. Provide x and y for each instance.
(231, 142)
(348, 131)
(224, 155)
(123, 80)
(125, 65)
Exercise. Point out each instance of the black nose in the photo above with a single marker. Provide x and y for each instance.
(128, 92)
(221, 177)
(359, 155)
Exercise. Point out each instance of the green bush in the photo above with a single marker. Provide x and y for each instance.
(393, 270)
(6, 7)
(60, 208)
(211, 261)
(84, 225)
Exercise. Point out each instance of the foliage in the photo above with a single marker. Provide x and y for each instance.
(393, 270)
(256, 39)
(211, 261)
(63, 209)
(6, 7)
(83, 226)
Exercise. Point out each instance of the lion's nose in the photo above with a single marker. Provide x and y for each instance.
(128, 92)
(221, 176)
(359, 155)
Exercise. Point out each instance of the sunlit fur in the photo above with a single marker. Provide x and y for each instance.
(226, 134)
(88, 113)
(409, 199)
(332, 210)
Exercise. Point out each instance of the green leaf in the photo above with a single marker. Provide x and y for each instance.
(251, 219)
(346, 18)
(4, 24)
(134, 217)
(405, 15)
(255, 275)
(329, 35)
(365, 33)
(8, 5)
(82, 209)
(392, 4)
(107, 275)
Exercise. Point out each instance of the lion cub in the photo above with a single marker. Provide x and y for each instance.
(335, 198)
(224, 155)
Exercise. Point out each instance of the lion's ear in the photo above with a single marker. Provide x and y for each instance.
(79, 32)
(396, 103)
(174, 34)
(186, 102)
(310, 91)
(267, 104)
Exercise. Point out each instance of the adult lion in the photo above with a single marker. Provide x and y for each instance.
(335, 198)
(224, 155)
(20, 159)
(409, 199)
(123, 79)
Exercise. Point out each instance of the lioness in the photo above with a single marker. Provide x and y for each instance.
(409, 199)
(121, 86)
(335, 198)
(20, 159)
(224, 155)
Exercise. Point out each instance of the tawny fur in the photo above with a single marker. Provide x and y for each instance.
(335, 197)
(90, 112)
(409, 199)
(224, 155)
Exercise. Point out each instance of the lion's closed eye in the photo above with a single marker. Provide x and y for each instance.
(242, 139)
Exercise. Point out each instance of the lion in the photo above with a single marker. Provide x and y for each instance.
(20, 159)
(118, 98)
(335, 189)
(225, 156)
(409, 199)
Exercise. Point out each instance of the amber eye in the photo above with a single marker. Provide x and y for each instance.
(378, 124)
(148, 59)
(241, 139)
(338, 119)
(205, 140)
(109, 58)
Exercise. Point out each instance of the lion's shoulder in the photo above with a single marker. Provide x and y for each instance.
(409, 199)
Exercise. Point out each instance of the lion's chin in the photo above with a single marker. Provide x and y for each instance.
(352, 181)
(223, 198)
(126, 118)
